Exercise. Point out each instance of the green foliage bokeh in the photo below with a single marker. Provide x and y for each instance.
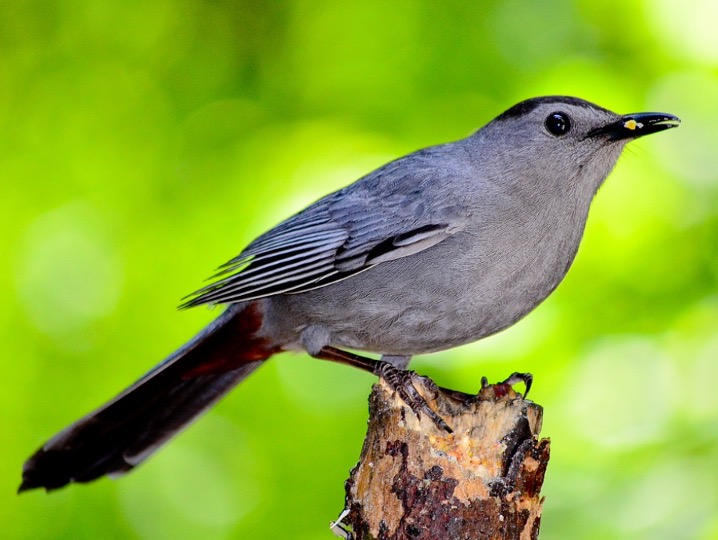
(145, 143)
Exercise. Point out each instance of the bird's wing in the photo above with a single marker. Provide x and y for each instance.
(331, 240)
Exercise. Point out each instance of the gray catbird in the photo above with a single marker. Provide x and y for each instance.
(437, 249)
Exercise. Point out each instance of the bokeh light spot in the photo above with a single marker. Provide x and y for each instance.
(623, 392)
(69, 272)
(691, 152)
(190, 489)
(687, 27)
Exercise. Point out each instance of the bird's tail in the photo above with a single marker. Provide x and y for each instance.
(124, 432)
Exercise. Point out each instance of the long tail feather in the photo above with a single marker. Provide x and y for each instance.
(124, 432)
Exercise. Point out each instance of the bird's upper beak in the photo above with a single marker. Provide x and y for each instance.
(632, 126)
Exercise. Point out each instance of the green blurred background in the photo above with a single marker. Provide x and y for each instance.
(145, 143)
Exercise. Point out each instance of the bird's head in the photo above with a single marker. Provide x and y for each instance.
(561, 143)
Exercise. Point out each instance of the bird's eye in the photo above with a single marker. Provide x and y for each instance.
(558, 124)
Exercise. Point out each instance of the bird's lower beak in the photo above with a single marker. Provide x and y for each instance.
(632, 126)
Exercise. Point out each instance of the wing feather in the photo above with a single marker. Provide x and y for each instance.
(298, 252)
(282, 283)
(293, 240)
(339, 236)
(261, 275)
(271, 258)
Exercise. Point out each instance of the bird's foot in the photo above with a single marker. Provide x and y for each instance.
(401, 382)
(511, 380)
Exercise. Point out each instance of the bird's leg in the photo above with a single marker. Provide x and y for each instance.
(399, 380)
(398, 361)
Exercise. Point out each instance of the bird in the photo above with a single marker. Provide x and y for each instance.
(436, 249)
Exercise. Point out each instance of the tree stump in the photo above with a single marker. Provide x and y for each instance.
(414, 481)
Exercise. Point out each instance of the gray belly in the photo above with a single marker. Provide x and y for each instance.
(454, 293)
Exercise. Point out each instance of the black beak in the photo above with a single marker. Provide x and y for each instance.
(632, 126)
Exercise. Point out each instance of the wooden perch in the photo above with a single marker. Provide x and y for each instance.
(482, 481)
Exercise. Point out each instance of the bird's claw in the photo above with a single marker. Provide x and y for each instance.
(513, 379)
(400, 381)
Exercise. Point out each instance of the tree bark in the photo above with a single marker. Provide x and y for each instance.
(414, 481)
